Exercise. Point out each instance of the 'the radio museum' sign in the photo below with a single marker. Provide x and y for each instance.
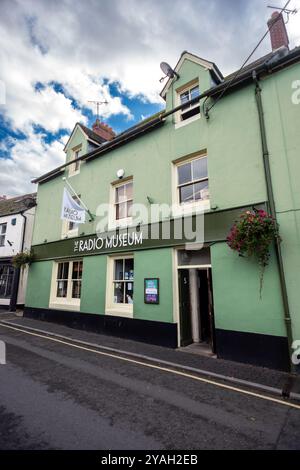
(115, 241)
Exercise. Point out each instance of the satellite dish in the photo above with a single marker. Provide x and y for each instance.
(168, 71)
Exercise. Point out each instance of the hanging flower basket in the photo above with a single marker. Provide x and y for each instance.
(252, 235)
(20, 260)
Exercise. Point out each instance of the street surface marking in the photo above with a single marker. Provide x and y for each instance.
(164, 369)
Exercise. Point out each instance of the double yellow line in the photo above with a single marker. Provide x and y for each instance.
(164, 369)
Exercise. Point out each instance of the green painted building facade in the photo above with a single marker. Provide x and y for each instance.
(237, 323)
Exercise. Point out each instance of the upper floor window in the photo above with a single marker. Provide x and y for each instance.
(192, 181)
(186, 95)
(74, 168)
(2, 233)
(122, 202)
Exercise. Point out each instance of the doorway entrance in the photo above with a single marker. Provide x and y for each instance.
(196, 306)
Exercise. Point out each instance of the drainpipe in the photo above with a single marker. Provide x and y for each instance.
(271, 202)
(16, 278)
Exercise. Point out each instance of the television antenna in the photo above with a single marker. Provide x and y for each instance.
(168, 71)
(98, 104)
(287, 11)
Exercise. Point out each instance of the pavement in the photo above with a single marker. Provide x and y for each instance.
(63, 394)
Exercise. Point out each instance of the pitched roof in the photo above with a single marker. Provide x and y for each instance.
(17, 204)
(91, 134)
(211, 66)
(268, 58)
(267, 64)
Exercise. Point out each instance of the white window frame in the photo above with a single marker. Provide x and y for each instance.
(74, 168)
(68, 302)
(3, 231)
(112, 221)
(178, 117)
(112, 308)
(194, 206)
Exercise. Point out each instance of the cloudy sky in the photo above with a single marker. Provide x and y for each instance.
(56, 55)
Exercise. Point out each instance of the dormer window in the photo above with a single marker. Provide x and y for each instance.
(74, 168)
(186, 95)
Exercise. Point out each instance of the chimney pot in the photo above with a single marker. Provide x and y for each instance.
(278, 33)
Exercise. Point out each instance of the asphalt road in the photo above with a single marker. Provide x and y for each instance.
(53, 396)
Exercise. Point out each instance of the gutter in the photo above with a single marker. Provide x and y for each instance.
(271, 203)
(119, 140)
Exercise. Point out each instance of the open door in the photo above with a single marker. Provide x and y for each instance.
(184, 308)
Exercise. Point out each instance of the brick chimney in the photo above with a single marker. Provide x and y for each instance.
(278, 33)
(103, 130)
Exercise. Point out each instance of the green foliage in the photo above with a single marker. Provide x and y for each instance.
(252, 235)
(20, 260)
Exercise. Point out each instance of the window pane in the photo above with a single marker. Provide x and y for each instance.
(194, 92)
(184, 173)
(118, 273)
(120, 194)
(63, 271)
(6, 278)
(186, 193)
(62, 289)
(2, 240)
(128, 190)
(129, 209)
(121, 211)
(199, 168)
(184, 97)
(201, 190)
(77, 270)
(3, 229)
(72, 226)
(128, 292)
(119, 292)
(128, 274)
(76, 289)
(59, 271)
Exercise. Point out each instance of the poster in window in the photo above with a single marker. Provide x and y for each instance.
(151, 291)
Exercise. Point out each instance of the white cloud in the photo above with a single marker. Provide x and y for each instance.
(82, 44)
(30, 158)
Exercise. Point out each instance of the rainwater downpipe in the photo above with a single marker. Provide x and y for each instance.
(271, 203)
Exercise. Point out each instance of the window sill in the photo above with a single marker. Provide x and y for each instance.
(192, 208)
(120, 311)
(65, 306)
(180, 124)
(113, 225)
(70, 234)
(73, 173)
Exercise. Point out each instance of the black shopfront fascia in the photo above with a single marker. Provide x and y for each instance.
(216, 228)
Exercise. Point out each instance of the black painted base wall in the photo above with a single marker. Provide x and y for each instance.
(252, 348)
(153, 332)
(7, 307)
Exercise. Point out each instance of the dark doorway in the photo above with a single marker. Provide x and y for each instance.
(196, 309)
(185, 308)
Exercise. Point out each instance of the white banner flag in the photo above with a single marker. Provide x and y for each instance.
(71, 210)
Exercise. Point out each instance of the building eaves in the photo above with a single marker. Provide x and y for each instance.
(16, 205)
